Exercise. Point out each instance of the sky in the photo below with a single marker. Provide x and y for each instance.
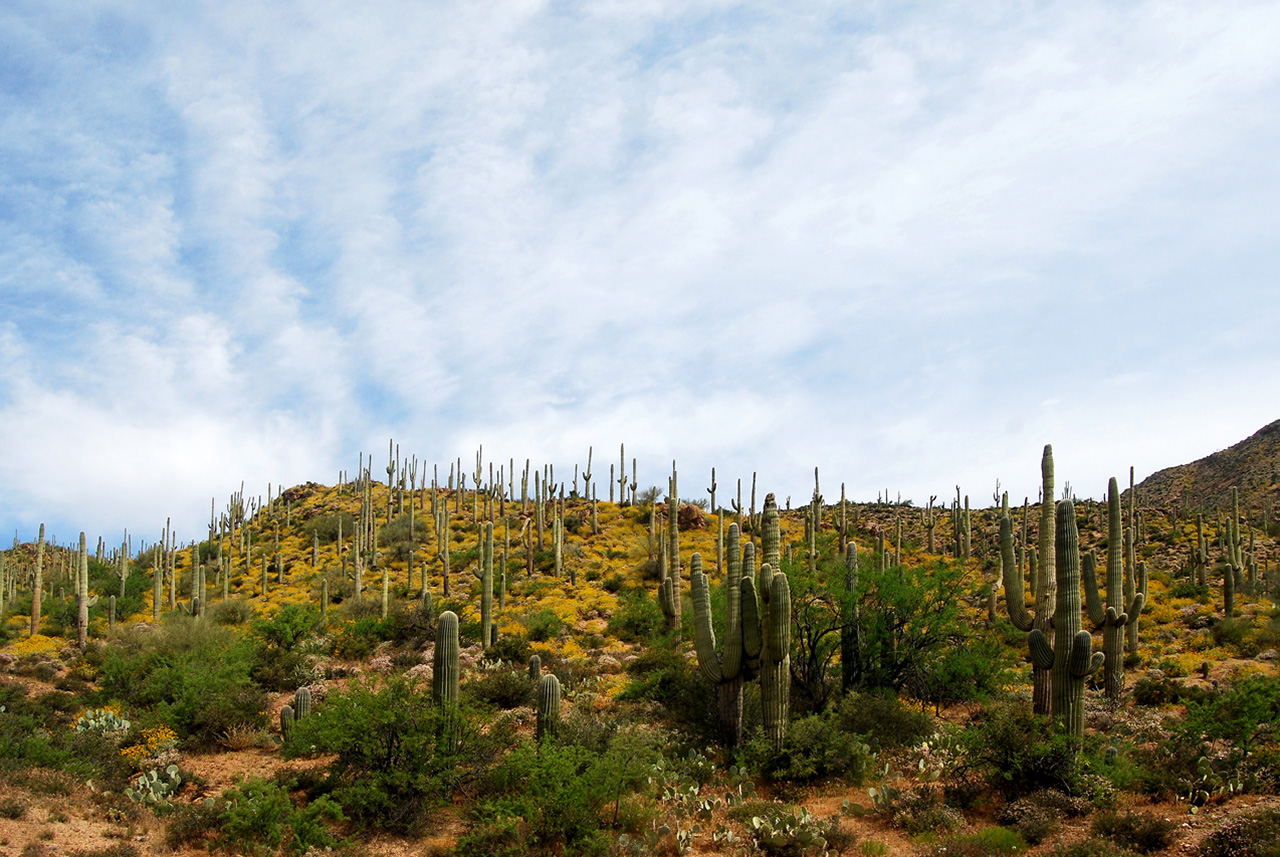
(907, 243)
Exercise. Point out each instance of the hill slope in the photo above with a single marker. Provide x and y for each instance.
(1252, 465)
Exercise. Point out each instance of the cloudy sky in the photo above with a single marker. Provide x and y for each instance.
(909, 243)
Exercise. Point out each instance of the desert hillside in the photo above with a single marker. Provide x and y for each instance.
(518, 665)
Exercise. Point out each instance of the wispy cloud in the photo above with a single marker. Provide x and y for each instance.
(908, 245)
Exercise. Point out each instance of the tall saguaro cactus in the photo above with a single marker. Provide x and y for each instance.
(82, 595)
(1045, 582)
(1114, 618)
(669, 588)
(775, 630)
(1071, 657)
(485, 574)
(728, 670)
(37, 587)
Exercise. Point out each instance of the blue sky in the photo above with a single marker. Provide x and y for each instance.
(909, 244)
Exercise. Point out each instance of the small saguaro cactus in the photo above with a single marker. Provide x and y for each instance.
(535, 667)
(548, 706)
(286, 723)
(302, 702)
(485, 575)
(1114, 618)
(1071, 657)
(444, 675)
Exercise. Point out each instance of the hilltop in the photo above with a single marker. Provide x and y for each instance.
(1252, 466)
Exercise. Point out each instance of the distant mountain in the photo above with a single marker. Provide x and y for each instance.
(1252, 465)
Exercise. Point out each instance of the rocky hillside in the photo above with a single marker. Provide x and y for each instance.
(1252, 465)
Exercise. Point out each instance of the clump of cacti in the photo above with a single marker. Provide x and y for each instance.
(729, 669)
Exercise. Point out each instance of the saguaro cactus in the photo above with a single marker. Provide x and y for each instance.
(548, 706)
(1114, 618)
(535, 667)
(444, 674)
(669, 588)
(1071, 657)
(775, 630)
(302, 702)
(1231, 576)
(82, 595)
(485, 575)
(850, 630)
(726, 670)
(37, 586)
(286, 723)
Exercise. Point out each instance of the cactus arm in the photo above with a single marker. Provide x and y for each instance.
(1015, 597)
(1093, 604)
(779, 617)
(731, 663)
(704, 636)
(1139, 602)
(1083, 659)
(1041, 651)
(751, 639)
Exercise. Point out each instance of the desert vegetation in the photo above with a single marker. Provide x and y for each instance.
(500, 661)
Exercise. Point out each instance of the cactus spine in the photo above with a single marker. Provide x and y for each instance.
(548, 706)
(775, 631)
(1113, 619)
(1071, 657)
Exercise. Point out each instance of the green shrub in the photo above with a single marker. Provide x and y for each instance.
(193, 677)
(12, 809)
(1092, 847)
(255, 817)
(235, 611)
(543, 625)
(326, 526)
(663, 675)
(1254, 835)
(638, 618)
(1019, 753)
(391, 765)
(1139, 832)
(988, 842)
(883, 720)
(512, 648)
(815, 749)
(503, 689)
